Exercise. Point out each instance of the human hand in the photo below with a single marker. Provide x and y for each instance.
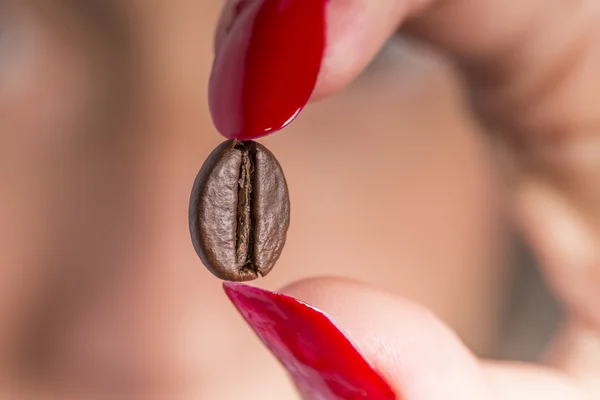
(531, 69)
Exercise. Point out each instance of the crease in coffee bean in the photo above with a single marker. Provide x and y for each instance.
(245, 216)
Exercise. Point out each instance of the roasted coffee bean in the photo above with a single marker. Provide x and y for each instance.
(239, 211)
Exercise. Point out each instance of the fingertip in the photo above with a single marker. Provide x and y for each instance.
(319, 357)
(274, 56)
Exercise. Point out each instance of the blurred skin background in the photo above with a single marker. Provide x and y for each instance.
(104, 124)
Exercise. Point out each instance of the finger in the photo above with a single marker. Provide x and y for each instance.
(418, 356)
(270, 55)
(511, 49)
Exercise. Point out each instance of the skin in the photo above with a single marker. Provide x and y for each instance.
(104, 128)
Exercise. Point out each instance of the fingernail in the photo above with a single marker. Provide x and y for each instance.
(266, 67)
(322, 361)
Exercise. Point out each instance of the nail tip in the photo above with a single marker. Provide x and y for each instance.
(238, 291)
(232, 288)
(240, 294)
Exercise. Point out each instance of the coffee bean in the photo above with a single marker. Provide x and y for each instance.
(239, 211)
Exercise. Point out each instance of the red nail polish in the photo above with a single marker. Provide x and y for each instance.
(266, 68)
(322, 361)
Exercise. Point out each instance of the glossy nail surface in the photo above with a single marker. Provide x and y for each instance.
(267, 66)
(322, 361)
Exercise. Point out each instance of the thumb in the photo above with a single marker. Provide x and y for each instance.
(411, 355)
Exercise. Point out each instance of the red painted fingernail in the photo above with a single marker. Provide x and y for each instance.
(266, 67)
(321, 360)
